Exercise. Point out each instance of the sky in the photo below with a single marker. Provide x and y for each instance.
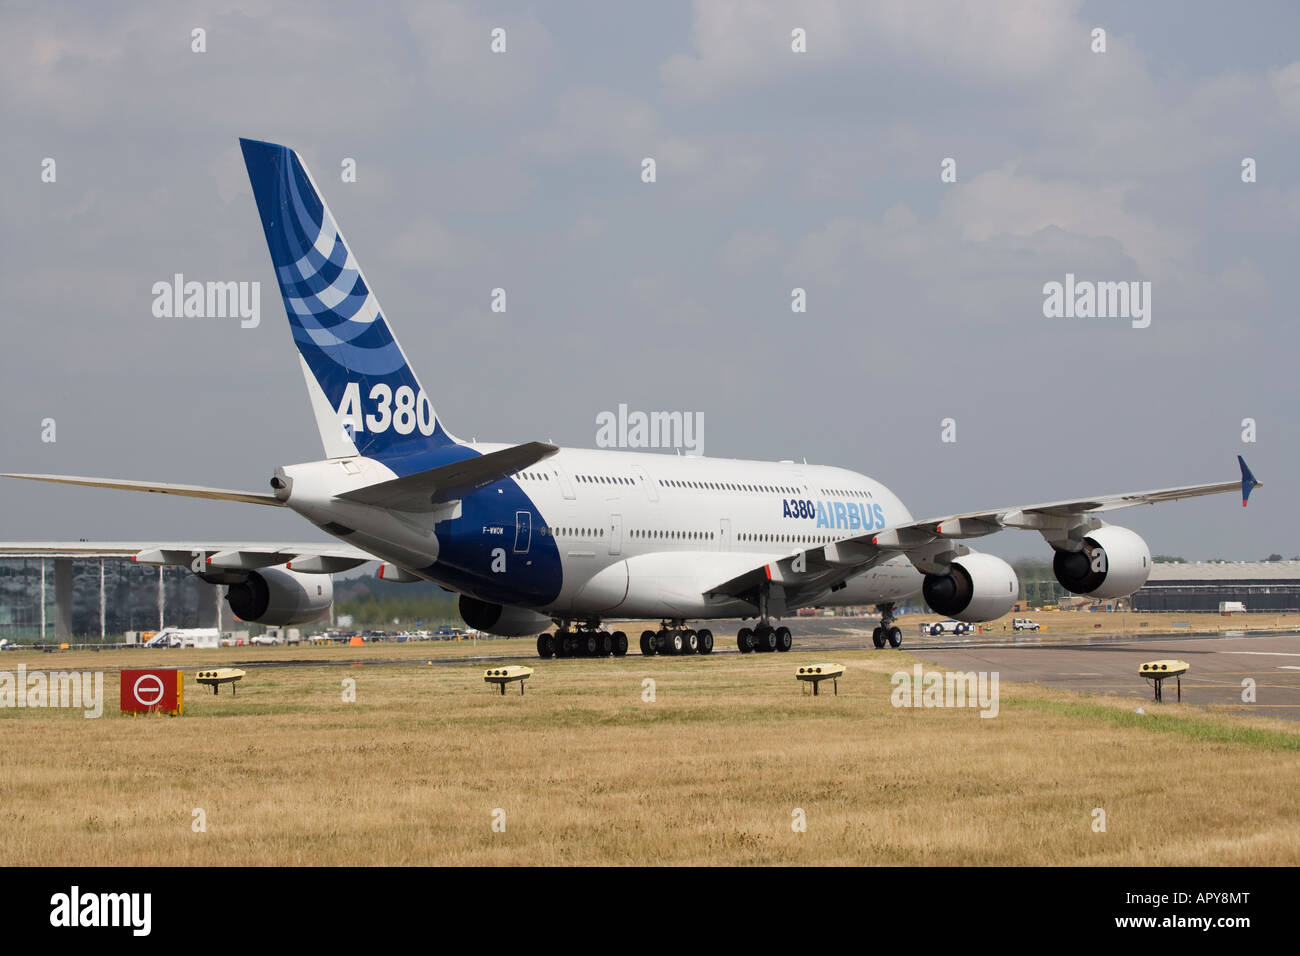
(775, 170)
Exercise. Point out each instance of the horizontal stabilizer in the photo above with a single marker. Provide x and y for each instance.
(186, 491)
(425, 490)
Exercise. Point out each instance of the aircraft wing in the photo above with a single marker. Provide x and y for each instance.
(201, 556)
(805, 573)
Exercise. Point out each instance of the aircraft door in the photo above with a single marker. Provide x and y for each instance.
(566, 486)
(646, 482)
(724, 534)
(523, 531)
(615, 534)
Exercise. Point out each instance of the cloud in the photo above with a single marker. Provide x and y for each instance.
(1004, 203)
(1286, 87)
(739, 45)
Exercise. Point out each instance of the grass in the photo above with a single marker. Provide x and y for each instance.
(587, 772)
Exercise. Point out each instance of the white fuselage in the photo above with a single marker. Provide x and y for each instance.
(634, 534)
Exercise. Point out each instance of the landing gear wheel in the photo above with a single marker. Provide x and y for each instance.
(676, 641)
(765, 639)
(591, 644)
(648, 643)
(620, 643)
(784, 639)
(745, 640)
(606, 644)
(878, 637)
(706, 642)
(895, 637)
(690, 642)
(545, 645)
(559, 644)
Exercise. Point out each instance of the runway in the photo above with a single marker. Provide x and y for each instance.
(1219, 666)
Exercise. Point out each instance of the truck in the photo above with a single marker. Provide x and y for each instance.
(185, 637)
(1232, 607)
(935, 628)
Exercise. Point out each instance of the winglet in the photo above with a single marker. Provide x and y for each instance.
(1248, 482)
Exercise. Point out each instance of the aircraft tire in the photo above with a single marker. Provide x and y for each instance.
(784, 639)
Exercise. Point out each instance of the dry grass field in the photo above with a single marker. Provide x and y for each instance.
(587, 772)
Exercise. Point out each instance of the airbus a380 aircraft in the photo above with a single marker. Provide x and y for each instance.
(531, 535)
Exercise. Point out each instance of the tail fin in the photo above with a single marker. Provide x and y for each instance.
(364, 393)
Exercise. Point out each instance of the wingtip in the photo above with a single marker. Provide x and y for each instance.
(1248, 481)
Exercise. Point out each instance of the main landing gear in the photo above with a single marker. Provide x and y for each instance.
(585, 641)
(764, 638)
(675, 638)
(887, 631)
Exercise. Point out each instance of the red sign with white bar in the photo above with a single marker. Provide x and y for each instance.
(152, 690)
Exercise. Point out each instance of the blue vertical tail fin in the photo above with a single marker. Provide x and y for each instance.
(365, 395)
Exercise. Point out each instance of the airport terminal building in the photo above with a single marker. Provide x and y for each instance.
(98, 597)
(1266, 586)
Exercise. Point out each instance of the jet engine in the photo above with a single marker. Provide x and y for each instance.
(501, 619)
(1113, 562)
(977, 587)
(279, 596)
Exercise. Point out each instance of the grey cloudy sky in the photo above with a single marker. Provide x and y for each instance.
(775, 170)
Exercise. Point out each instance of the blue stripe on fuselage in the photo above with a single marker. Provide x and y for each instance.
(465, 550)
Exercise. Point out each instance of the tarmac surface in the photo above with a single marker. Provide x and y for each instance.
(1217, 678)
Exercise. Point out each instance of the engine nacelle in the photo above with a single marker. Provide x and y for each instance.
(279, 596)
(977, 587)
(501, 619)
(1113, 562)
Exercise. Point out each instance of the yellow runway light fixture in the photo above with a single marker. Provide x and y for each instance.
(504, 675)
(218, 676)
(816, 673)
(1159, 671)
